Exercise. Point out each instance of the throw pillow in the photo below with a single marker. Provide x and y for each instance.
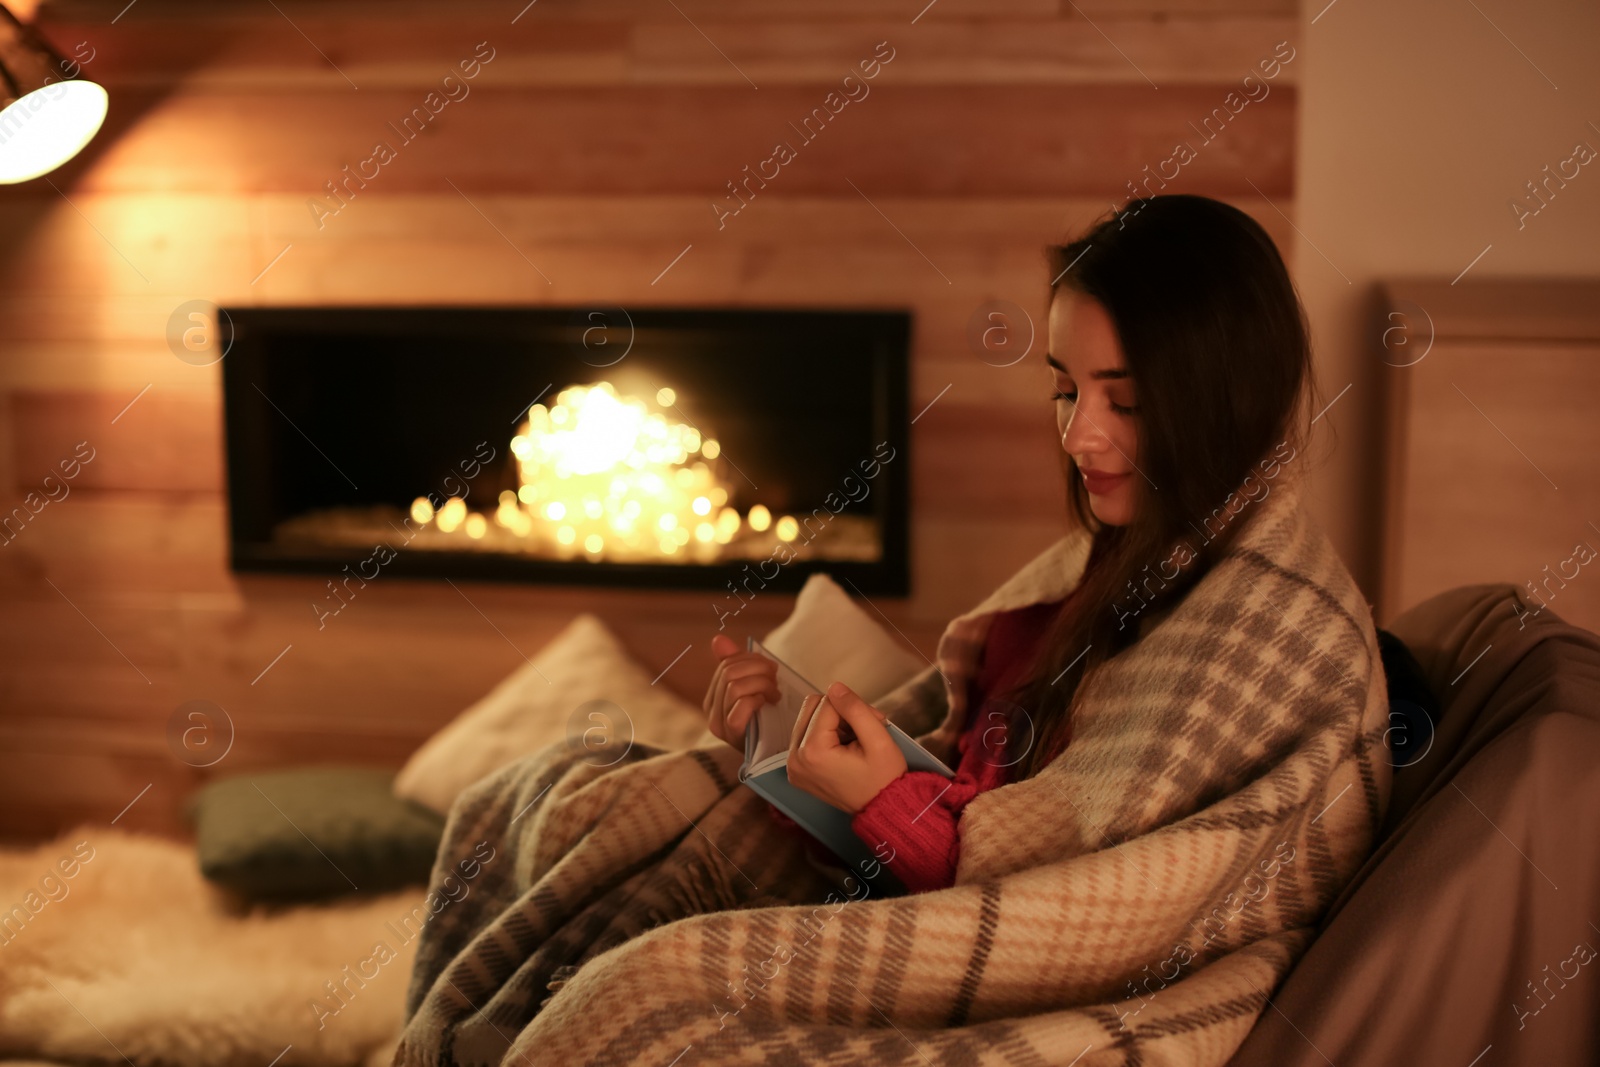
(312, 833)
(829, 638)
(582, 689)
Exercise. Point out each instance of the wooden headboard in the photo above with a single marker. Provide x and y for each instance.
(1492, 441)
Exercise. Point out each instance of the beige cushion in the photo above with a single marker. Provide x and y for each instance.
(540, 703)
(827, 638)
(830, 638)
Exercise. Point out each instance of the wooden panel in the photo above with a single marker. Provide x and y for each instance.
(170, 548)
(234, 47)
(52, 791)
(373, 11)
(930, 141)
(1492, 476)
(782, 252)
(660, 47)
(165, 440)
(556, 11)
(1512, 309)
(8, 467)
(1142, 53)
(1105, 9)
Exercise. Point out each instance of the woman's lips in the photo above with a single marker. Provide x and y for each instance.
(1100, 484)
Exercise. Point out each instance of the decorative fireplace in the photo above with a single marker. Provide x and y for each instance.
(677, 448)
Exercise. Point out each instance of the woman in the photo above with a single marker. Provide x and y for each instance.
(1147, 360)
(1173, 759)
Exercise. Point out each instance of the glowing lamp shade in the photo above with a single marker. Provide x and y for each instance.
(46, 114)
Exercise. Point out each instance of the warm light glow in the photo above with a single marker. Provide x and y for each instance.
(451, 515)
(606, 473)
(727, 525)
(612, 468)
(47, 127)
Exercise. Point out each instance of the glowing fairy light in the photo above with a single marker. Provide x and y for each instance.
(609, 475)
(608, 468)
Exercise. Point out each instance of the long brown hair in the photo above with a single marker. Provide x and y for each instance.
(1217, 346)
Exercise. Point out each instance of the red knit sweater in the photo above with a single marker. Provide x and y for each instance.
(911, 823)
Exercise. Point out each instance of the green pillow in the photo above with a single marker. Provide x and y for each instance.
(312, 833)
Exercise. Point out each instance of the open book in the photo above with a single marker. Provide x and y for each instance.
(765, 769)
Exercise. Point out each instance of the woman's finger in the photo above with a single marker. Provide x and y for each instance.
(808, 708)
(865, 721)
(744, 698)
(713, 703)
(730, 670)
(822, 729)
(751, 684)
(745, 666)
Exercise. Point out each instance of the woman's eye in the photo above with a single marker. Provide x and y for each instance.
(1120, 409)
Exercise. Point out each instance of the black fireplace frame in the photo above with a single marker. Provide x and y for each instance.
(883, 337)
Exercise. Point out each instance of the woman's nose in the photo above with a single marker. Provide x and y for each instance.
(1082, 437)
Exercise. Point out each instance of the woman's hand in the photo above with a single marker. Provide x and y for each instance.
(741, 684)
(841, 751)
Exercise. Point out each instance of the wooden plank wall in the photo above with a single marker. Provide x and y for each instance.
(1491, 434)
(581, 164)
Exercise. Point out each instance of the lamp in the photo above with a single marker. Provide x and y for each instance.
(46, 115)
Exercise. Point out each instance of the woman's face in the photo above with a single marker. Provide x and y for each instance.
(1095, 410)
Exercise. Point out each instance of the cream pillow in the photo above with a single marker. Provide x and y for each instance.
(538, 705)
(828, 638)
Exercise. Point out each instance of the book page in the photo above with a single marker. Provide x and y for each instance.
(773, 724)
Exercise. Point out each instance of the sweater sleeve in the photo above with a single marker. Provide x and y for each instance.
(915, 816)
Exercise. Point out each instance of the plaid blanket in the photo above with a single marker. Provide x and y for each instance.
(1136, 902)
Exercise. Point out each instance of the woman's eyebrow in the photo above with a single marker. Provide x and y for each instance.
(1099, 375)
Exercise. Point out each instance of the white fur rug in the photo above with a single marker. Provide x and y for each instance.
(135, 957)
